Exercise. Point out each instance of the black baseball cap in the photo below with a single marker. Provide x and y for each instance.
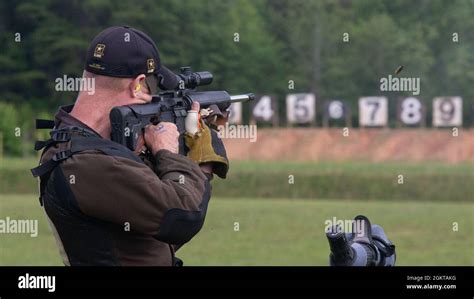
(125, 52)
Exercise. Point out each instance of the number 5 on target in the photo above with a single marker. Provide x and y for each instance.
(373, 111)
(300, 108)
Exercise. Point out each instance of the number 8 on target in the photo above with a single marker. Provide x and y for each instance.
(411, 112)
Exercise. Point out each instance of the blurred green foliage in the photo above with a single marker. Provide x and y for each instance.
(279, 40)
(8, 125)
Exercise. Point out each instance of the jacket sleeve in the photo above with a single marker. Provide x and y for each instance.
(169, 204)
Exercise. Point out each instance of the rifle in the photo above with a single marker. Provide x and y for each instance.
(128, 122)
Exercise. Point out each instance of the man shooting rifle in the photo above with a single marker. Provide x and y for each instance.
(110, 204)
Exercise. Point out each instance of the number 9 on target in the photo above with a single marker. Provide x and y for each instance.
(447, 111)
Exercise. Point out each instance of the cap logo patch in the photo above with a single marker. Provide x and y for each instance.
(99, 50)
(150, 63)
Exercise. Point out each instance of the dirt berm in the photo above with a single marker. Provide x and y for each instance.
(376, 145)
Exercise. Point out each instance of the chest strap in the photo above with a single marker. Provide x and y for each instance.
(82, 143)
(79, 139)
(44, 124)
(62, 135)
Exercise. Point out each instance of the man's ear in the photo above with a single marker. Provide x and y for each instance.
(138, 89)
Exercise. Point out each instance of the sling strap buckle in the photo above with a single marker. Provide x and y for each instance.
(62, 155)
(60, 135)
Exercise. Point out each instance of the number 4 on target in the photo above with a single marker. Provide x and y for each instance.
(264, 109)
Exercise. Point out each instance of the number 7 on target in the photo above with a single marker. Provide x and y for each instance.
(373, 111)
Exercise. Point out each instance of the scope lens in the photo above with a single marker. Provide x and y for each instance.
(205, 78)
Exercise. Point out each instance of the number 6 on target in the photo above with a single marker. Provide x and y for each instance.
(373, 111)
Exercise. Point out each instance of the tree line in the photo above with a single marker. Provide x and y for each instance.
(332, 48)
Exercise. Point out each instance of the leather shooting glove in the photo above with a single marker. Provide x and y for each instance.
(205, 146)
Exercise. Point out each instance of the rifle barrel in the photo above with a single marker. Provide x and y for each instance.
(242, 97)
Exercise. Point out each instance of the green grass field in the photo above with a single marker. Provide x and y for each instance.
(358, 180)
(280, 232)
